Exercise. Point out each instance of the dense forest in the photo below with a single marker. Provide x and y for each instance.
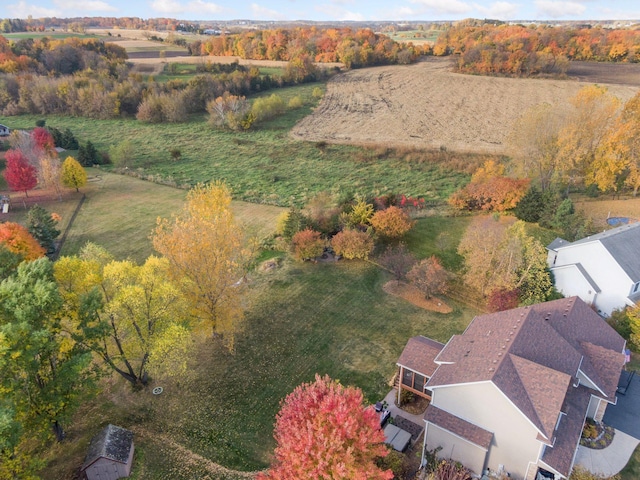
(485, 48)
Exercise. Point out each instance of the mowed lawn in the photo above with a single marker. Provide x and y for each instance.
(301, 319)
(265, 165)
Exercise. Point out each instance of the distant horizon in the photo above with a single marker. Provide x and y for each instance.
(333, 10)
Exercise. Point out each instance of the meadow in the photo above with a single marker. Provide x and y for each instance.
(265, 165)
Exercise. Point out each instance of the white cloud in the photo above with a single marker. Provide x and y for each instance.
(400, 13)
(23, 10)
(173, 7)
(264, 13)
(449, 7)
(336, 12)
(84, 6)
(553, 9)
(499, 10)
(167, 7)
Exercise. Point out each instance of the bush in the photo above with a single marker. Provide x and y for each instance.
(230, 111)
(41, 123)
(307, 244)
(317, 92)
(531, 206)
(500, 300)
(295, 102)
(352, 244)
(391, 223)
(265, 108)
(121, 154)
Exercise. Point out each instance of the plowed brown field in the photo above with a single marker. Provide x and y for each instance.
(426, 105)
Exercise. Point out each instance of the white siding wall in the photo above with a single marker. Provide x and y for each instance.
(603, 269)
(514, 442)
(569, 281)
(455, 448)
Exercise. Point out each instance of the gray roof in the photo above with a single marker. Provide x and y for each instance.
(112, 442)
(623, 243)
(557, 242)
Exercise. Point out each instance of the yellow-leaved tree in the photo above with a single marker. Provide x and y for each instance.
(208, 257)
(594, 111)
(73, 174)
(132, 316)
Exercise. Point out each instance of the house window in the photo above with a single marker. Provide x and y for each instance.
(636, 287)
(414, 380)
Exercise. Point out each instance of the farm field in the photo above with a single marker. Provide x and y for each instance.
(265, 165)
(426, 105)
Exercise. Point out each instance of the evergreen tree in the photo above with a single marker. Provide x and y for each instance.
(42, 227)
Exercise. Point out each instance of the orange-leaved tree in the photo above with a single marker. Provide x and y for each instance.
(307, 244)
(324, 431)
(391, 223)
(18, 240)
(352, 244)
(208, 257)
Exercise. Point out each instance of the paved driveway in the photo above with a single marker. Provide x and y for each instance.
(625, 415)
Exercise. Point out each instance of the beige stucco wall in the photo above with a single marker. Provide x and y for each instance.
(453, 447)
(514, 442)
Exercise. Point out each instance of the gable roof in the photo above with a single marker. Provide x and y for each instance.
(532, 355)
(622, 243)
(112, 442)
(419, 355)
(470, 432)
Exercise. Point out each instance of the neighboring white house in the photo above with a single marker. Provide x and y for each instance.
(603, 269)
(4, 130)
(511, 393)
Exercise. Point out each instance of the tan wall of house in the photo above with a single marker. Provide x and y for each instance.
(599, 415)
(453, 447)
(514, 442)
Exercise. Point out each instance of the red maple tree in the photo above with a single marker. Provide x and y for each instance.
(19, 174)
(43, 139)
(323, 431)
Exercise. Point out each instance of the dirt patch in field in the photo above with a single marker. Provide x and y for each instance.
(412, 295)
(425, 105)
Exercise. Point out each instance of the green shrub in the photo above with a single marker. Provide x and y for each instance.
(265, 108)
(295, 102)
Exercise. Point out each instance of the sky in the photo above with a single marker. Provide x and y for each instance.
(328, 10)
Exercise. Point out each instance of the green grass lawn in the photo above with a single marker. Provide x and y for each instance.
(265, 165)
(301, 319)
(438, 236)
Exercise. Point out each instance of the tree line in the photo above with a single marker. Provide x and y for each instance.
(354, 48)
(519, 50)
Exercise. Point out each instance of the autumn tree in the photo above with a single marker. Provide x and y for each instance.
(133, 317)
(291, 222)
(231, 111)
(323, 430)
(208, 256)
(617, 159)
(533, 145)
(358, 215)
(391, 223)
(43, 374)
(18, 240)
(489, 190)
(352, 244)
(499, 255)
(594, 110)
(307, 244)
(398, 260)
(19, 174)
(42, 226)
(500, 300)
(429, 277)
(73, 175)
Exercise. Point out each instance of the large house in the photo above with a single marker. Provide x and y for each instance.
(511, 394)
(4, 130)
(603, 269)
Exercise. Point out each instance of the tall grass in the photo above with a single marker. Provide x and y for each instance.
(265, 165)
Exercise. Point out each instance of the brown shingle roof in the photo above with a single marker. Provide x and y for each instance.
(560, 456)
(419, 353)
(531, 353)
(462, 428)
(603, 367)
